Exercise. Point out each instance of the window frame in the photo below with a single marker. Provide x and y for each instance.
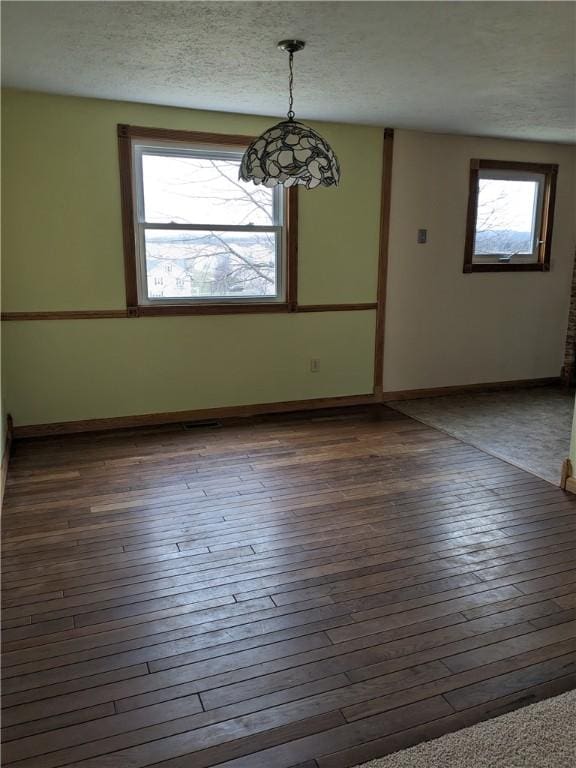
(543, 226)
(140, 305)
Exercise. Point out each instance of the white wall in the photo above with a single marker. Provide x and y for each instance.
(447, 328)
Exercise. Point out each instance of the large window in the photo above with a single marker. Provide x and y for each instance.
(195, 236)
(510, 212)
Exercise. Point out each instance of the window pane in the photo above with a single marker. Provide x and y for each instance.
(202, 190)
(202, 264)
(506, 217)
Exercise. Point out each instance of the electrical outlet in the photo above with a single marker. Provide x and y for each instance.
(422, 236)
(314, 365)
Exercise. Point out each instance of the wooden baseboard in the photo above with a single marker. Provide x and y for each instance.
(570, 485)
(6, 456)
(567, 479)
(496, 386)
(261, 409)
(155, 419)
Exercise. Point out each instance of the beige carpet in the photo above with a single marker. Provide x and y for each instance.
(526, 427)
(542, 735)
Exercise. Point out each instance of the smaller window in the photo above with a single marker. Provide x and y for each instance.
(510, 214)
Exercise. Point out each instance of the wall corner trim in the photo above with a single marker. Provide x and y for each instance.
(565, 473)
(570, 485)
(567, 479)
(7, 447)
(385, 202)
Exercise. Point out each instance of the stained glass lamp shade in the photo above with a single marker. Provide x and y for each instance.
(290, 152)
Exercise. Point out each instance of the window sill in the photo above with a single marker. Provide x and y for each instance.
(175, 310)
(538, 267)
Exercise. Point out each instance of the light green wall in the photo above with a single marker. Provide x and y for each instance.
(90, 368)
(62, 250)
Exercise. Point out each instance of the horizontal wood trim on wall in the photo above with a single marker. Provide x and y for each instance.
(495, 386)
(336, 307)
(155, 419)
(168, 134)
(222, 309)
(88, 314)
(514, 165)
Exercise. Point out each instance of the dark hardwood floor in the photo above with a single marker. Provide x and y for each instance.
(299, 591)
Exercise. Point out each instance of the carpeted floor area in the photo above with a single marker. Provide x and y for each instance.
(527, 427)
(542, 735)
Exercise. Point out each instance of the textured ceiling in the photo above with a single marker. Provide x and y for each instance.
(486, 68)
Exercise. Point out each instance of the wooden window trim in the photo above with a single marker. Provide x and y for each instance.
(126, 133)
(550, 172)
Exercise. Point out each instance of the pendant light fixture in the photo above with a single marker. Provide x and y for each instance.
(290, 152)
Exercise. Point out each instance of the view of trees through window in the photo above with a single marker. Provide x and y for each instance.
(506, 217)
(207, 234)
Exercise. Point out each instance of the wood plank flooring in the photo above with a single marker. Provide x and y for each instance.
(308, 591)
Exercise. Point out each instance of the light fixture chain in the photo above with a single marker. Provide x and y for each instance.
(291, 86)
